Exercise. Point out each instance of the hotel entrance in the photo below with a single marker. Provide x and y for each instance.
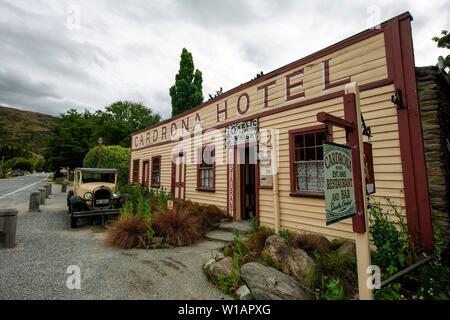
(246, 167)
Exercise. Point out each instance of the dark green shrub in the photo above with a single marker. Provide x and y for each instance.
(391, 292)
(335, 266)
(389, 235)
(116, 157)
(333, 290)
(285, 234)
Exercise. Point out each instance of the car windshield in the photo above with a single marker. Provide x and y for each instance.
(98, 177)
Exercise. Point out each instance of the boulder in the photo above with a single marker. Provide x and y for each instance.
(290, 260)
(216, 269)
(347, 249)
(267, 283)
(244, 293)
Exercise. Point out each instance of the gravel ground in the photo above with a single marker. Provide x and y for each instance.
(46, 247)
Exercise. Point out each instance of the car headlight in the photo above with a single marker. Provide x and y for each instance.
(116, 195)
(88, 196)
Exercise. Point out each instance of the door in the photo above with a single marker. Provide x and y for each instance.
(248, 185)
(145, 173)
(178, 189)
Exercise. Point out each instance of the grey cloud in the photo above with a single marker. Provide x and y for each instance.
(12, 82)
(130, 49)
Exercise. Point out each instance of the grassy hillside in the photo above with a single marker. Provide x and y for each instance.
(24, 128)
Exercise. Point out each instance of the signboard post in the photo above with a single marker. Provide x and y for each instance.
(353, 128)
(339, 188)
(363, 258)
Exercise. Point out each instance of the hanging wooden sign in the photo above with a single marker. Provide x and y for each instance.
(339, 190)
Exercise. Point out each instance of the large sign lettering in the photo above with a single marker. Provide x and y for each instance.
(292, 86)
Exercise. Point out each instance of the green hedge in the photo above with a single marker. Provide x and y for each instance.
(116, 157)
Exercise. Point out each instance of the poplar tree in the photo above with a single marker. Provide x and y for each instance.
(186, 93)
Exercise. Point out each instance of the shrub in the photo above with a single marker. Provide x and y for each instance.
(335, 266)
(20, 163)
(434, 283)
(178, 226)
(229, 284)
(127, 232)
(310, 243)
(394, 246)
(109, 157)
(253, 222)
(333, 290)
(255, 243)
(391, 292)
(285, 234)
(208, 215)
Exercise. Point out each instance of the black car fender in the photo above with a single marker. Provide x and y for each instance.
(79, 204)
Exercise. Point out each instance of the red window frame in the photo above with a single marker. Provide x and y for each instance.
(156, 172)
(292, 154)
(201, 164)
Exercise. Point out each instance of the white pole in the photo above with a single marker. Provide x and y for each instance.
(363, 258)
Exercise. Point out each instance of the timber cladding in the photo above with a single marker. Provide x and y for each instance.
(379, 60)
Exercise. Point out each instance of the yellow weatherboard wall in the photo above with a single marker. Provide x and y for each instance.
(364, 59)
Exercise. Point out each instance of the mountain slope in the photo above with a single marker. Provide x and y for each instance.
(24, 128)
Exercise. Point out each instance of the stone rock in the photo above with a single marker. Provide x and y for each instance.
(267, 283)
(218, 255)
(217, 269)
(347, 249)
(290, 260)
(244, 293)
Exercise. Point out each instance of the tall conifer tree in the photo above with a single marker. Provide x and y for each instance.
(187, 92)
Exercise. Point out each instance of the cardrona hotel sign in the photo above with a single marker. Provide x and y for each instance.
(256, 99)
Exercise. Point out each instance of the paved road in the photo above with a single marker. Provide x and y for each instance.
(15, 192)
(46, 246)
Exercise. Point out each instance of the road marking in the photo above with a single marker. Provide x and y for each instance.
(23, 188)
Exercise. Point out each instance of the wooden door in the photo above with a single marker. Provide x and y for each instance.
(178, 189)
(248, 184)
(145, 173)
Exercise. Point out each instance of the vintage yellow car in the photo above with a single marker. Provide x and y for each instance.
(95, 193)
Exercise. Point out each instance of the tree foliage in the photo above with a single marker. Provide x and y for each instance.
(444, 42)
(120, 119)
(187, 92)
(70, 139)
(116, 157)
(9, 152)
(75, 133)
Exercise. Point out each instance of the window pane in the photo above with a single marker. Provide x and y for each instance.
(310, 154)
(301, 176)
(299, 141)
(310, 140)
(321, 136)
(320, 153)
(299, 154)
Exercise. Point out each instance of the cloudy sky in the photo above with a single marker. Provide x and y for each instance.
(57, 55)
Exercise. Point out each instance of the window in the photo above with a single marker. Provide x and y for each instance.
(306, 157)
(135, 171)
(156, 172)
(206, 169)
